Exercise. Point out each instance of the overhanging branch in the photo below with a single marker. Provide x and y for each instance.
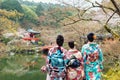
(82, 19)
(110, 18)
(116, 6)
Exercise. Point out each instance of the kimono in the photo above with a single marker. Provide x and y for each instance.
(75, 73)
(93, 58)
(54, 73)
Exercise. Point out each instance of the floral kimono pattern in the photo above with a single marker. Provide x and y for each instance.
(75, 73)
(54, 73)
(93, 58)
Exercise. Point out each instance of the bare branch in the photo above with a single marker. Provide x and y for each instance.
(99, 6)
(70, 18)
(86, 10)
(110, 18)
(72, 22)
(103, 7)
(76, 30)
(82, 19)
(116, 6)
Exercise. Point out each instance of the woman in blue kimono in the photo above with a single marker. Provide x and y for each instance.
(93, 58)
(56, 61)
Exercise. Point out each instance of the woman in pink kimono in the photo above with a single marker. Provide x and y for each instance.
(74, 73)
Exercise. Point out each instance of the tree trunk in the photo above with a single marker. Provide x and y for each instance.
(112, 32)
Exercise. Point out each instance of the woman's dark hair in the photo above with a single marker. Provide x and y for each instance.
(71, 44)
(90, 37)
(45, 51)
(60, 41)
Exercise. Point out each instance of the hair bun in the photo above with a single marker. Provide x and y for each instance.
(94, 37)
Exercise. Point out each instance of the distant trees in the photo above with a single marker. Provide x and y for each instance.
(11, 5)
(39, 10)
(56, 15)
(0, 3)
(6, 24)
(28, 3)
(36, 13)
(29, 14)
(11, 14)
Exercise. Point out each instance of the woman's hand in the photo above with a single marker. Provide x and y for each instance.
(43, 69)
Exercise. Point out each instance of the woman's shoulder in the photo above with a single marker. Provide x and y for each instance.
(64, 50)
(85, 46)
(52, 50)
(94, 45)
(74, 52)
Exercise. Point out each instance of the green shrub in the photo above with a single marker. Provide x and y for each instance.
(5, 40)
